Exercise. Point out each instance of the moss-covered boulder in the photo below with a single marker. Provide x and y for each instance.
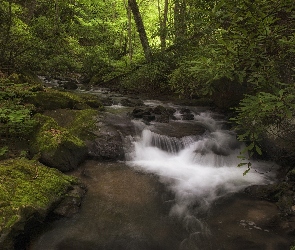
(80, 123)
(56, 147)
(53, 99)
(28, 191)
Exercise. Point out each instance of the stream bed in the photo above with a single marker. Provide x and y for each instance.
(177, 189)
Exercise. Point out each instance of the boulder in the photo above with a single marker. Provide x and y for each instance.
(70, 205)
(186, 114)
(28, 194)
(128, 102)
(65, 157)
(159, 114)
(70, 85)
(56, 147)
(51, 99)
(107, 146)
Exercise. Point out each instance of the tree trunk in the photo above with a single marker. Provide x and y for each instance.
(141, 30)
(56, 7)
(163, 23)
(179, 20)
(4, 51)
(129, 16)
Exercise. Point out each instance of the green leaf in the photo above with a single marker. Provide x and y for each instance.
(251, 146)
(242, 164)
(258, 150)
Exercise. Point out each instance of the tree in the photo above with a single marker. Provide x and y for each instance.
(180, 25)
(163, 23)
(141, 30)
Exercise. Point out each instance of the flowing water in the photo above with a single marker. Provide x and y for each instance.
(176, 190)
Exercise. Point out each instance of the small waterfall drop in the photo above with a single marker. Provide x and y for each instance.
(198, 169)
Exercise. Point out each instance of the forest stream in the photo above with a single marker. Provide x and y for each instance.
(177, 189)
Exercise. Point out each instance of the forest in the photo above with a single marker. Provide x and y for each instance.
(237, 55)
(192, 48)
(240, 51)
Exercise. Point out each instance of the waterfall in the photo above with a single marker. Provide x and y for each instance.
(198, 169)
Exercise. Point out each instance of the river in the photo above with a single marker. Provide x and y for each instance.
(178, 189)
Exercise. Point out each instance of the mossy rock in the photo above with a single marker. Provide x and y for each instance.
(54, 99)
(28, 190)
(80, 123)
(56, 147)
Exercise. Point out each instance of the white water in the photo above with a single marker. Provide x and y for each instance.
(198, 170)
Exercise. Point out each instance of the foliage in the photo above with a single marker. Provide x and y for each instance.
(15, 117)
(247, 43)
(260, 114)
(148, 78)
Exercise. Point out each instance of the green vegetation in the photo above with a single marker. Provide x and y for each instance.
(27, 187)
(239, 53)
(50, 135)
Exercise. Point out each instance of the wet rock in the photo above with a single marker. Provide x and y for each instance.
(67, 156)
(186, 114)
(77, 244)
(107, 146)
(70, 205)
(131, 102)
(70, 85)
(179, 130)
(281, 193)
(139, 113)
(107, 101)
(158, 114)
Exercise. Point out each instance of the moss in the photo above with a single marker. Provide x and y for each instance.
(26, 187)
(92, 101)
(80, 123)
(83, 123)
(52, 99)
(50, 135)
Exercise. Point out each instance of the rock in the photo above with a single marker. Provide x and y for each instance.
(70, 85)
(139, 113)
(131, 102)
(158, 114)
(65, 157)
(36, 190)
(107, 101)
(56, 147)
(70, 205)
(53, 99)
(280, 193)
(50, 100)
(107, 146)
(186, 114)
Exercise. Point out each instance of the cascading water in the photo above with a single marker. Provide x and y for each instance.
(197, 169)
